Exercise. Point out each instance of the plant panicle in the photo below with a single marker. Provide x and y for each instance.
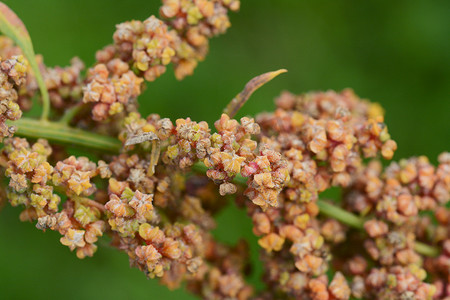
(152, 183)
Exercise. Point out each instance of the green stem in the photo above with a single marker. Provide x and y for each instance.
(29, 53)
(339, 214)
(70, 114)
(13, 27)
(61, 133)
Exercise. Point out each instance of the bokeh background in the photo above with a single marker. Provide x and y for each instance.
(393, 52)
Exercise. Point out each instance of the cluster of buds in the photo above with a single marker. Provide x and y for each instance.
(403, 190)
(267, 174)
(30, 177)
(80, 224)
(229, 152)
(128, 209)
(222, 277)
(189, 142)
(294, 248)
(395, 200)
(397, 283)
(324, 137)
(135, 172)
(75, 175)
(32, 182)
(195, 21)
(111, 88)
(174, 247)
(151, 45)
(64, 84)
(132, 216)
(12, 75)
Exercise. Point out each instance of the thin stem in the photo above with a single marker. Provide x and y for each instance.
(29, 53)
(61, 133)
(13, 27)
(339, 214)
(70, 114)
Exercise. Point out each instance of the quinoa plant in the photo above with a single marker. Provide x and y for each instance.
(154, 185)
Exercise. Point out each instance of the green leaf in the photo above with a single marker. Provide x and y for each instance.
(237, 102)
(13, 27)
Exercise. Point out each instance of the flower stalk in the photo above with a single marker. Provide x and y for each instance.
(70, 114)
(61, 133)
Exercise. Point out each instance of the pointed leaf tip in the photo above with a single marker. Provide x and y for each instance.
(9, 21)
(13, 27)
(235, 105)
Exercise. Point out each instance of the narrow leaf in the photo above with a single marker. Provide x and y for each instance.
(13, 27)
(235, 105)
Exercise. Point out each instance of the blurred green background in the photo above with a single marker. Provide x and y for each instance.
(393, 52)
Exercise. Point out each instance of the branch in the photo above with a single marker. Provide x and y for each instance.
(61, 133)
(339, 214)
(70, 113)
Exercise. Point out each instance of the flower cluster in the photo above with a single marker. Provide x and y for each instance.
(172, 251)
(151, 45)
(80, 224)
(229, 152)
(64, 84)
(128, 209)
(403, 190)
(30, 177)
(33, 183)
(395, 200)
(75, 175)
(325, 137)
(195, 21)
(111, 87)
(12, 76)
